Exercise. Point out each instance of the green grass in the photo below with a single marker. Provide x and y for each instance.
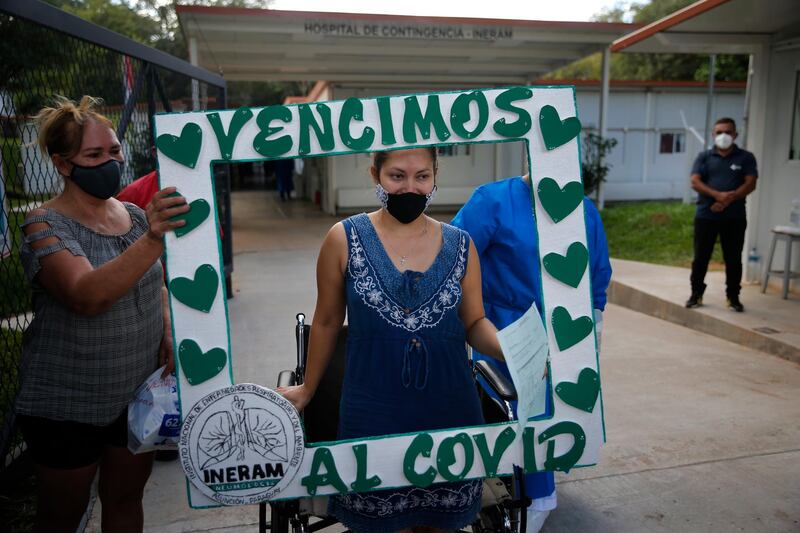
(653, 232)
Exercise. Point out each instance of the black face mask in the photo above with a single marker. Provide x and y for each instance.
(405, 207)
(101, 181)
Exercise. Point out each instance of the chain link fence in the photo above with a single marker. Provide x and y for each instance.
(38, 62)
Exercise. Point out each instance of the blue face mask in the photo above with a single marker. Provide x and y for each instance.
(101, 181)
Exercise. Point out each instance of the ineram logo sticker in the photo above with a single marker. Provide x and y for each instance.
(241, 444)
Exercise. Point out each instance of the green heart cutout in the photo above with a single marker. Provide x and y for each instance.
(568, 269)
(184, 149)
(583, 394)
(198, 366)
(558, 202)
(555, 131)
(569, 332)
(197, 213)
(197, 293)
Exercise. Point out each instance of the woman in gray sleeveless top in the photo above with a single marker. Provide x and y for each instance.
(100, 323)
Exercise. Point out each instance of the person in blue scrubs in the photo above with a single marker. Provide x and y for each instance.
(499, 218)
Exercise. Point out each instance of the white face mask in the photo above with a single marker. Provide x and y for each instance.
(723, 141)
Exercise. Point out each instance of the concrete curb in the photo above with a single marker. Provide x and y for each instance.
(637, 300)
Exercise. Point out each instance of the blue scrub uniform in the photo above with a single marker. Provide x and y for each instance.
(499, 218)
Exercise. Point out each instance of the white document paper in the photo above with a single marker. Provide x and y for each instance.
(524, 344)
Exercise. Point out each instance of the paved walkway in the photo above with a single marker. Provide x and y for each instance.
(769, 323)
(703, 434)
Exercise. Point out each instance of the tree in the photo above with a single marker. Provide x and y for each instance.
(52, 63)
(632, 66)
(118, 17)
(152, 22)
(594, 168)
(163, 11)
(240, 93)
(155, 23)
(261, 93)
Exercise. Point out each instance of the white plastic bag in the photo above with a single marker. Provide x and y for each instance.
(154, 417)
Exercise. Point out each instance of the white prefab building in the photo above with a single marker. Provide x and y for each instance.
(770, 33)
(657, 125)
(375, 55)
(346, 186)
(659, 128)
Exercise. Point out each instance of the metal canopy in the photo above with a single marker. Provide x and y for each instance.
(269, 45)
(717, 26)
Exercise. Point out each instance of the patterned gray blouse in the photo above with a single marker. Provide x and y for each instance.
(86, 368)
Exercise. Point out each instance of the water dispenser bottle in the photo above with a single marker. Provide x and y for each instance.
(752, 265)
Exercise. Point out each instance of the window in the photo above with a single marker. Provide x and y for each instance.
(794, 143)
(672, 143)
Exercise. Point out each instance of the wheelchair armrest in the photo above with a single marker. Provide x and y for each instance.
(286, 378)
(496, 381)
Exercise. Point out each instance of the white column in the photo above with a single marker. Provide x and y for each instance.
(743, 129)
(329, 191)
(649, 133)
(691, 140)
(195, 84)
(497, 153)
(758, 208)
(712, 71)
(603, 121)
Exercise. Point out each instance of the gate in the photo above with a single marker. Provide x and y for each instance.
(46, 52)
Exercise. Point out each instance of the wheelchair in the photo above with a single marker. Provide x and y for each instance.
(504, 504)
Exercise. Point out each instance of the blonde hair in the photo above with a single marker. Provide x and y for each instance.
(61, 126)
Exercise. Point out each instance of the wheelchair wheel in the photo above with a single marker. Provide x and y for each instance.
(279, 518)
(496, 519)
(300, 527)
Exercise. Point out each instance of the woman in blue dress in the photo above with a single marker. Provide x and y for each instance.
(411, 289)
(499, 218)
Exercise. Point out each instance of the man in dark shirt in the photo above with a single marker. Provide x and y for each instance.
(723, 176)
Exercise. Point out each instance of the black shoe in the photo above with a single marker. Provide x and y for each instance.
(695, 300)
(735, 304)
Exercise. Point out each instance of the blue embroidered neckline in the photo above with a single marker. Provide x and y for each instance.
(381, 285)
